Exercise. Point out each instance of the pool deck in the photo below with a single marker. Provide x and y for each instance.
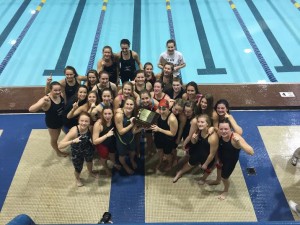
(240, 96)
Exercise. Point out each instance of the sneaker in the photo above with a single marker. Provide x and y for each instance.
(293, 206)
(294, 161)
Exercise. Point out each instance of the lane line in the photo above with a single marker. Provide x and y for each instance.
(65, 51)
(13, 21)
(20, 38)
(136, 35)
(256, 50)
(170, 20)
(287, 66)
(206, 52)
(97, 36)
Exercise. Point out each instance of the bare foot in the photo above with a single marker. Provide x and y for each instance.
(62, 154)
(117, 166)
(133, 164)
(79, 183)
(108, 172)
(213, 182)
(129, 171)
(94, 174)
(201, 181)
(176, 178)
(223, 195)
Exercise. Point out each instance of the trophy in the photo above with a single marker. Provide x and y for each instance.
(146, 117)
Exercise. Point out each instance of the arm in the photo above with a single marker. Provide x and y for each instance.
(173, 127)
(234, 124)
(239, 142)
(182, 122)
(137, 59)
(116, 103)
(100, 65)
(114, 89)
(96, 131)
(193, 129)
(48, 82)
(42, 104)
(213, 140)
(119, 123)
(70, 138)
(75, 110)
(176, 68)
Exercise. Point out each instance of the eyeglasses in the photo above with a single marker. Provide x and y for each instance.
(163, 108)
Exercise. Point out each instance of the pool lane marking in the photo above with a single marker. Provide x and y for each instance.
(206, 52)
(65, 51)
(170, 20)
(287, 66)
(256, 50)
(13, 21)
(296, 4)
(136, 33)
(97, 36)
(20, 38)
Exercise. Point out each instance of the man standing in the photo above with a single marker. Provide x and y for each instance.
(127, 59)
(173, 56)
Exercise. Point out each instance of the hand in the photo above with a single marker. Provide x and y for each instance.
(235, 138)
(204, 167)
(154, 128)
(195, 135)
(227, 115)
(110, 132)
(75, 105)
(93, 105)
(76, 140)
(211, 130)
(132, 119)
(46, 99)
(49, 79)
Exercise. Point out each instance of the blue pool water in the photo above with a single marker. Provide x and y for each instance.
(208, 33)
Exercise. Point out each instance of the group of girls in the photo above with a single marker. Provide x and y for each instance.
(98, 115)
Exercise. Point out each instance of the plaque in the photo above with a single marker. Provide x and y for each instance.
(146, 117)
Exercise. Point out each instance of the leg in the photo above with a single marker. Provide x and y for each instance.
(218, 179)
(89, 166)
(184, 169)
(138, 144)
(224, 194)
(149, 146)
(78, 181)
(112, 157)
(54, 134)
(132, 160)
(169, 158)
(124, 164)
(161, 156)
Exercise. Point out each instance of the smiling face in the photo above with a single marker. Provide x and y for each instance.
(69, 75)
(107, 54)
(191, 92)
(224, 130)
(148, 70)
(145, 99)
(177, 110)
(107, 115)
(92, 78)
(221, 109)
(106, 97)
(157, 89)
(127, 90)
(176, 86)
(104, 79)
(167, 70)
(125, 49)
(84, 121)
(56, 90)
(129, 105)
(82, 93)
(171, 48)
(203, 103)
(140, 78)
(188, 111)
(92, 97)
(202, 123)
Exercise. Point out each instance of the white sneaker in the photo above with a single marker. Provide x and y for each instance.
(293, 206)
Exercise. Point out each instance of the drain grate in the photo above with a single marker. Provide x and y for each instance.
(251, 171)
